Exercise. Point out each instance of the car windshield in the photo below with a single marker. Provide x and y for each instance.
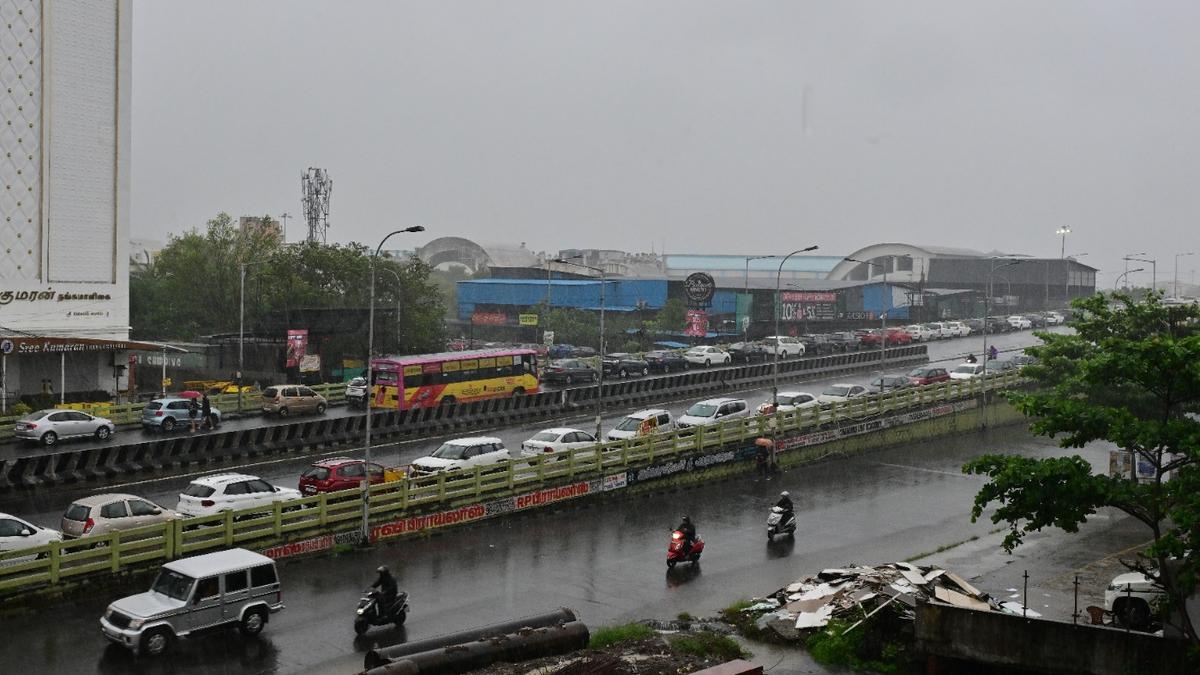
(316, 473)
(702, 410)
(547, 436)
(450, 451)
(629, 424)
(836, 391)
(966, 368)
(785, 399)
(919, 372)
(198, 490)
(173, 584)
(358, 382)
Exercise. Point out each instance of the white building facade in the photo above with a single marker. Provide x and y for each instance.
(64, 194)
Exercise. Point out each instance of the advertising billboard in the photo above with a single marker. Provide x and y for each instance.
(297, 346)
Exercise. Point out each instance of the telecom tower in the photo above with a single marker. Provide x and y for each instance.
(315, 186)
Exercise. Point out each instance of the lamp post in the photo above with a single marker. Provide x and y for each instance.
(600, 379)
(1176, 284)
(1127, 258)
(746, 291)
(1153, 270)
(1067, 287)
(987, 300)
(242, 324)
(1125, 274)
(399, 286)
(1064, 231)
(778, 311)
(366, 483)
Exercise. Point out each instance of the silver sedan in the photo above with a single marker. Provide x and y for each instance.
(51, 425)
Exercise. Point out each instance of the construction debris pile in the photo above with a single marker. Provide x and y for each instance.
(856, 593)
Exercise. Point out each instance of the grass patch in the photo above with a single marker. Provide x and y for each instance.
(615, 635)
(707, 644)
(734, 611)
(684, 616)
(831, 647)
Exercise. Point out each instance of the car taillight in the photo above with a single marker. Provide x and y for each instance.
(207, 502)
(31, 425)
(547, 449)
(87, 527)
(158, 413)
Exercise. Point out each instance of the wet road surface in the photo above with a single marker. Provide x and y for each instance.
(45, 506)
(607, 561)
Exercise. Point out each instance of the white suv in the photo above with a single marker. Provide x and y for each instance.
(1019, 322)
(919, 332)
(958, 328)
(785, 345)
(230, 492)
(712, 411)
(1133, 599)
(464, 453)
(642, 423)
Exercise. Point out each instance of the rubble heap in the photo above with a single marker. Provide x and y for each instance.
(855, 593)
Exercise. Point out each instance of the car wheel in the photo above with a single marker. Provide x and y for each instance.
(156, 642)
(519, 391)
(595, 377)
(645, 372)
(213, 421)
(569, 381)
(283, 412)
(253, 622)
(624, 373)
(448, 400)
(320, 408)
(49, 438)
(707, 362)
(401, 618)
(670, 564)
(103, 433)
(168, 424)
(360, 626)
(1135, 614)
(726, 360)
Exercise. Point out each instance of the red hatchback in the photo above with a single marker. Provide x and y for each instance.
(928, 375)
(337, 473)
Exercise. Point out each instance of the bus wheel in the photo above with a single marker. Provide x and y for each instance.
(448, 400)
(519, 391)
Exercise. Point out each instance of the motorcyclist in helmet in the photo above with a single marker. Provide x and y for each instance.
(971, 358)
(386, 584)
(785, 502)
(689, 533)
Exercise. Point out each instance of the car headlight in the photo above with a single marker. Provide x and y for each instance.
(135, 624)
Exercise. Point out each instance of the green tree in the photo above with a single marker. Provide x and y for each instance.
(1129, 375)
(672, 316)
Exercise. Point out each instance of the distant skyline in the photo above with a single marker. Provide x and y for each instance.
(704, 127)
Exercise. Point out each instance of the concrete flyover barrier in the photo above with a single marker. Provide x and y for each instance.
(180, 453)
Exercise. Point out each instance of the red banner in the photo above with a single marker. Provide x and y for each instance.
(489, 318)
(297, 346)
(697, 323)
(808, 296)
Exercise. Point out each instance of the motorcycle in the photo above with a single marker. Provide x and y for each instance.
(371, 612)
(781, 522)
(677, 554)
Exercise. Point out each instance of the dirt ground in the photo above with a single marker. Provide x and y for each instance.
(651, 656)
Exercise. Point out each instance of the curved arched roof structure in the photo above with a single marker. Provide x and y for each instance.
(457, 250)
(903, 262)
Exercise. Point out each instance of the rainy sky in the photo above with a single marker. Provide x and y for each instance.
(686, 126)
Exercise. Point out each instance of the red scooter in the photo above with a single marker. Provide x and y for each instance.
(677, 554)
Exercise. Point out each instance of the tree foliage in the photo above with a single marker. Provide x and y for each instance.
(1129, 375)
(193, 288)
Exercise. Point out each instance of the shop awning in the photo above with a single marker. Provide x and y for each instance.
(18, 345)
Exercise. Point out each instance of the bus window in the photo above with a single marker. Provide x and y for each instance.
(529, 364)
(384, 377)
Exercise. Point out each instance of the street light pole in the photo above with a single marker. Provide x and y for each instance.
(1176, 284)
(242, 326)
(399, 286)
(600, 377)
(1153, 270)
(987, 300)
(778, 311)
(1125, 274)
(1064, 231)
(1127, 258)
(365, 534)
(746, 291)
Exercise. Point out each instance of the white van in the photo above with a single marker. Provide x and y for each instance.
(785, 345)
(643, 422)
(712, 411)
(234, 587)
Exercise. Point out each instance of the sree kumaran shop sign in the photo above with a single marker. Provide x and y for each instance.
(808, 306)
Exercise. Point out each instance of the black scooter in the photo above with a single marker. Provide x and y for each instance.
(371, 612)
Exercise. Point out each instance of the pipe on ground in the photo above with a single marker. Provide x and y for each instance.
(526, 644)
(381, 656)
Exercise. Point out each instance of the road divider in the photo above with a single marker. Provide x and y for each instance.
(450, 498)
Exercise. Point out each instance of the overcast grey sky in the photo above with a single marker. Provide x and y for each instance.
(706, 127)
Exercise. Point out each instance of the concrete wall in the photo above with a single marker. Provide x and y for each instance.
(1038, 645)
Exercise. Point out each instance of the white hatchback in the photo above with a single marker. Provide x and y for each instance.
(230, 492)
(706, 356)
(919, 332)
(712, 411)
(967, 371)
(17, 534)
(841, 393)
(789, 400)
(557, 439)
(463, 453)
(958, 328)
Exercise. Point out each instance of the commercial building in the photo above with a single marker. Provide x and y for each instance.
(64, 197)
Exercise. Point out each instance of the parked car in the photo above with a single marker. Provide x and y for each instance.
(919, 332)
(165, 414)
(815, 345)
(569, 371)
(1036, 320)
(998, 324)
(642, 423)
(841, 393)
(1055, 319)
(557, 439)
(17, 533)
(940, 330)
(966, 371)
(207, 495)
(928, 375)
(713, 410)
(1022, 359)
(1001, 366)
(464, 453)
(356, 393)
(288, 399)
(580, 352)
(789, 400)
(976, 325)
(749, 352)
(52, 425)
(886, 383)
(1019, 322)
(1133, 599)
(707, 355)
(893, 336)
(560, 351)
(785, 345)
(339, 473)
(101, 514)
(621, 364)
(845, 341)
(957, 328)
(234, 587)
(664, 361)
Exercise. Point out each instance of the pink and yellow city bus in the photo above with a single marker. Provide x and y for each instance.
(430, 380)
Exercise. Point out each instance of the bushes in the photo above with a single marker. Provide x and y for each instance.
(833, 646)
(707, 644)
(615, 635)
